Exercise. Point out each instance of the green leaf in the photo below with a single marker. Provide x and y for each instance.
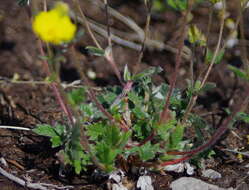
(73, 146)
(75, 156)
(43, 57)
(60, 129)
(147, 73)
(95, 51)
(140, 113)
(112, 136)
(95, 130)
(107, 98)
(210, 55)
(208, 86)
(243, 116)
(142, 129)
(51, 78)
(56, 133)
(76, 96)
(106, 154)
(90, 111)
(181, 5)
(77, 166)
(176, 137)
(56, 141)
(197, 86)
(87, 109)
(178, 4)
(75, 136)
(134, 98)
(166, 157)
(163, 130)
(124, 138)
(239, 73)
(45, 130)
(147, 151)
(211, 154)
(127, 74)
(85, 160)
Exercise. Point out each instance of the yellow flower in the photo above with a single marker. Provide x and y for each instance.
(240, 157)
(247, 136)
(55, 25)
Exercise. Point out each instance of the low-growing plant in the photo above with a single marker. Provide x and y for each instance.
(138, 118)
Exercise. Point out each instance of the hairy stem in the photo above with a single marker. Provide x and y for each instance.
(164, 114)
(55, 88)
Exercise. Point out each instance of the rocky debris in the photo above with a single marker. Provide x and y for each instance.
(3, 162)
(118, 187)
(115, 181)
(190, 183)
(243, 186)
(144, 183)
(181, 167)
(210, 173)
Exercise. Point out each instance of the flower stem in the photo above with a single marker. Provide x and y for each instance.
(164, 114)
(55, 88)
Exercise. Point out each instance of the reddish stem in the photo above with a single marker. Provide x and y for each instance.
(62, 103)
(165, 112)
(57, 93)
(149, 138)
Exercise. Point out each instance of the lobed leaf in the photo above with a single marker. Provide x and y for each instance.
(45, 130)
(176, 137)
(77, 96)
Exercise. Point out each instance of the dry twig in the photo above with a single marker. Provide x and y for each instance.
(14, 127)
(138, 35)
(27, 183)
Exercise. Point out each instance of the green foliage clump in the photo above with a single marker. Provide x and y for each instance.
(139, 108)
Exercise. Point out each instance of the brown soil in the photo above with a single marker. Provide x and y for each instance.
(29, 105)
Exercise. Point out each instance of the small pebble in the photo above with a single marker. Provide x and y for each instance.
(210, 173)
(181, 167)
(190, 183)
(145, 183)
